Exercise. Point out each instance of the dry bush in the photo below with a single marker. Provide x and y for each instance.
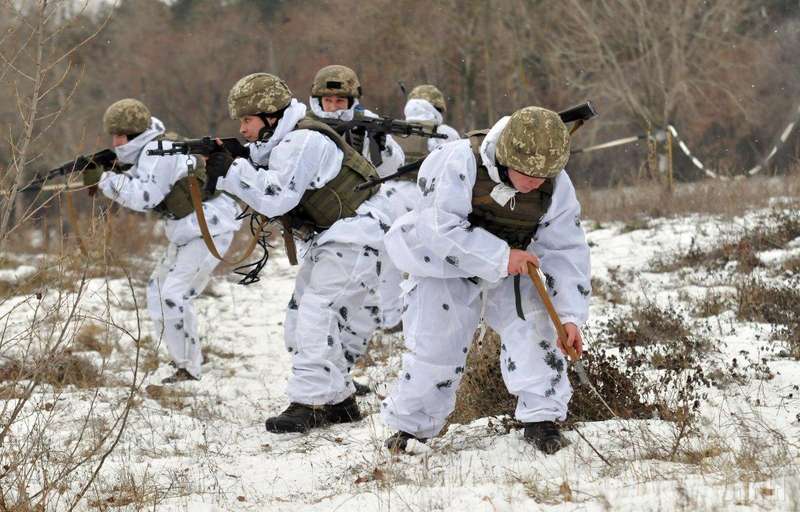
(777, 304)
(644, 326)
(621, 388)
(61, 369)
(37, 282)
(712, 197)
(777, 229)
(713, 303)
(169, 397)
(483, 393)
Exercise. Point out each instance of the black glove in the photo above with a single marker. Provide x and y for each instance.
(217, 166)
(238, 150)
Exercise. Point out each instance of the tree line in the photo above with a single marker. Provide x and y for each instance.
(722, 71)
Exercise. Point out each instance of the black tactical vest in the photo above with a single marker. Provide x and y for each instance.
(338, 198)
(516, 226)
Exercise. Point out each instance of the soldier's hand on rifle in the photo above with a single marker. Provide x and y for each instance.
(574, 340)
(217, 166)
(237, 150)
(380, 140)
(91, 176)
(518, 262)
(356, 137)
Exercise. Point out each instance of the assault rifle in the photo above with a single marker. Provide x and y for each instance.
(204, 146)
(105, 159)
(578, 114)
(375, 127)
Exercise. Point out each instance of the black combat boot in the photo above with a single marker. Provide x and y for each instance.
(545, 435)
(345, 411)
(180, 375)
(361, 389)
(397, 442)
(297, 418)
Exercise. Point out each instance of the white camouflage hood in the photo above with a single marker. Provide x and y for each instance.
(501, 193)
(259, 151)
(128, 153)
(420, 110)
(342, 115)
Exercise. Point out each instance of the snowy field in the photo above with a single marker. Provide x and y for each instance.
(202, 446)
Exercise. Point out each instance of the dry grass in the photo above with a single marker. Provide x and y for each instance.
(712, 304)
(741, 247)
(94, 338)
(716, 197)
(144, 491)
(777, 304)
(169, 397)
(37, 283)
(59, 370)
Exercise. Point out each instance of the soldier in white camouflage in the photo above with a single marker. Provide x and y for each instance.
(490, 205)
(426, 105)
(335, 94)
(302, 169)
(158, 184)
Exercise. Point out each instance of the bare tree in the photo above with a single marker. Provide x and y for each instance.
(655, 60)
(38, 71)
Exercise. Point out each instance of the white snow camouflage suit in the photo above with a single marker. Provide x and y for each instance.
(334, 308)
(443, 254)
(185, 269)
(393, 158)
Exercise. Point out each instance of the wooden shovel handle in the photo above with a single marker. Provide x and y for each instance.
(533, 273)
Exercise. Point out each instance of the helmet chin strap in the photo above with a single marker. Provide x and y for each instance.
(502, 171)
(266, 132)
(269, 128)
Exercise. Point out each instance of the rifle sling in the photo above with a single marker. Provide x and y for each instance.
(197, 202)
(288, 239)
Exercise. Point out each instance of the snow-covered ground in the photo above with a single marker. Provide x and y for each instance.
(203, 446)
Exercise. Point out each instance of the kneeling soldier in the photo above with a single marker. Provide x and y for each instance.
(159, 184)
(303, 169)
(490, 205)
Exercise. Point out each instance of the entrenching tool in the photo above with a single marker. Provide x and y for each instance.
(533, 273)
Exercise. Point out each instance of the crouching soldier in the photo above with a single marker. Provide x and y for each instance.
(159, 184)
(301, 168)
(490, 205)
